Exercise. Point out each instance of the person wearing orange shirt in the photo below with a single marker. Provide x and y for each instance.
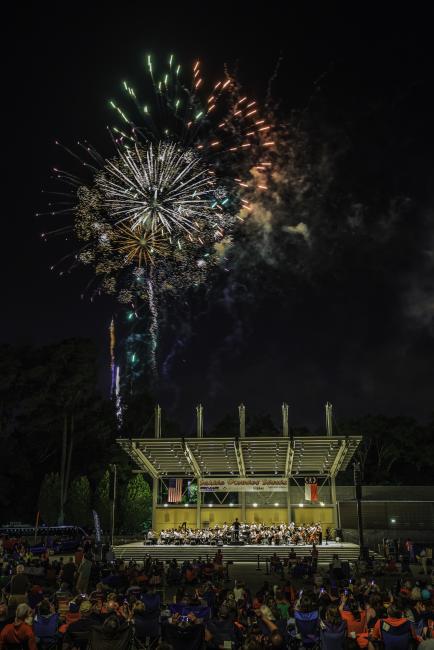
(355, 618)
(393, 627)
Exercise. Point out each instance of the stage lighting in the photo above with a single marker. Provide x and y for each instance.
(255, 505)
(276, 505)
(165, 505)
(301, 505)
(322, 504)
(186, 505)
(231, 505)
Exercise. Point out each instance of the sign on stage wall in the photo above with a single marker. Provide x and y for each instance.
(243, 485)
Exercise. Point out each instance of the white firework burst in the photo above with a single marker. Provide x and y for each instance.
(157, 188)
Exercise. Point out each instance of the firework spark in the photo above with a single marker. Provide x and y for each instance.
(154, 215)
(140, 246)
(161, 187)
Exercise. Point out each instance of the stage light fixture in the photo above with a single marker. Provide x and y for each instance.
(165, 505)
(255, 505)
(276, 505)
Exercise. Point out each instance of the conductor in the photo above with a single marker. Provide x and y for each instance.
(236, 530)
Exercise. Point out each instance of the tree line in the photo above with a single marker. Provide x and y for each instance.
(58, 438)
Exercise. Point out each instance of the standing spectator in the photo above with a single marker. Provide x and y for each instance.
(314, 554)
(83, 574)
(19, 587)
(68, 574)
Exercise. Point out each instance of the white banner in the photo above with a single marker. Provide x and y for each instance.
(243, 485)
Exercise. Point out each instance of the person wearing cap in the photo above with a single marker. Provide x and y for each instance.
(19, 632)
(83, 625)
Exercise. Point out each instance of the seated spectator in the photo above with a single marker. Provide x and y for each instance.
(5, 617)
(151, 600)
(282, 605)
(395, 630)
(355, 617)
(306, 617)
(220, 629)
(146, 623)
(184, 632)
(114, 633)
(80, 629)
(333, 630)
(20, 632)
(46, 623)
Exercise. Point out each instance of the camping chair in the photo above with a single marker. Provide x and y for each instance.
(307, 628)
(334, 639)
(104, 637)
(80, 640)
(190, 637)
(396, 637)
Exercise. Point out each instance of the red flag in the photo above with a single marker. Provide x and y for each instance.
(311, 489)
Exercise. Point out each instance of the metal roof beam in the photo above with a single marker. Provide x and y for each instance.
(289, 458)
(339, 459)
(240, 458)
(142, 460)
(191, 459)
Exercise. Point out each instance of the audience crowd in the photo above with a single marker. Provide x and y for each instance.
(84, 602)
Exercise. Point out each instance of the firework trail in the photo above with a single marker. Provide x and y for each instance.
(153, 328)
(158, 212)
(112, 356)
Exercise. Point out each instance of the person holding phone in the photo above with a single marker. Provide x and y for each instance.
(355, 617)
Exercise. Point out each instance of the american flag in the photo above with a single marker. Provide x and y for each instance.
(174, 494)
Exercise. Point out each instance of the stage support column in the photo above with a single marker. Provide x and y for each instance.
(288, 500)
(155, 489)
(242, 495)
(329, 430)
(198, 505)
(334, 502)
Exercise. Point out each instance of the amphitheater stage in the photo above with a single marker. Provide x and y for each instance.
(245, 553)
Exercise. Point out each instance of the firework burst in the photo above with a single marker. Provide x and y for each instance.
(140, 245)
(154, 215)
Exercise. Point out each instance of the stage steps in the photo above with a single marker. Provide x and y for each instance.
(249, 553)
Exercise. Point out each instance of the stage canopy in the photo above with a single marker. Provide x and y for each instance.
(242, 456)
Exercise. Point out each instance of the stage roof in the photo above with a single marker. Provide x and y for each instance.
(248, 456)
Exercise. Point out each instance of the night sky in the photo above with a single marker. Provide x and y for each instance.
(346, 316)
